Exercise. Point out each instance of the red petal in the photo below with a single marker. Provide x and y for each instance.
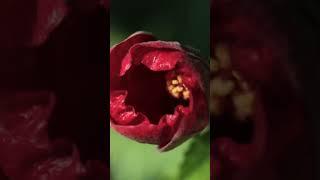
(118, 52)
(137, 126)
(195, 118)
(23, 130)
(27, 119)
(49, 16)
(29, 23)
(156, 55)
(62, 167)
(124, 114)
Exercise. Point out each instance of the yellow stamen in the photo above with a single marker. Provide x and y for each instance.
(175, 82)
(170, 87)
(186, 95)
(177, 89)
(220, 87)
(243, 104)
(175, 94)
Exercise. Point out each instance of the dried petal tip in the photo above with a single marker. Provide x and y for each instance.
(177, 89)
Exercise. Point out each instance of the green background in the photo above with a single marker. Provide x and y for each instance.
(186, 21)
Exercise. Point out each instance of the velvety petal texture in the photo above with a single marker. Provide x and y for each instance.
(27, 153)
(141, 106)
(53, 59)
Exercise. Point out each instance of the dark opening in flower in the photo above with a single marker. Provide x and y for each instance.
(148, 93)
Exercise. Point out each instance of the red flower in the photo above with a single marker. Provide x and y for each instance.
(158, 92)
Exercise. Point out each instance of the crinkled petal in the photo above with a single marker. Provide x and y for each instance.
(62, 167)
(156, 55)
(194, 120)
(119, 51)
(122, 114)
(144, 132)
(23, 130)
(26, 114)
(137, 126)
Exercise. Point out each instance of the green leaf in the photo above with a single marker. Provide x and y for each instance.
(196, 163)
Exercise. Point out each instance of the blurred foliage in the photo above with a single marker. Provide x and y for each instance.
(186, 21)
(135, 161)
(196, 164)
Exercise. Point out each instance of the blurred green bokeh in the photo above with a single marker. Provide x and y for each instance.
(186, 21)
(134, 161)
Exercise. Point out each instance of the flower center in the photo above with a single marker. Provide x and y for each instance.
(148, 93)
(177, 89)
(232, 100)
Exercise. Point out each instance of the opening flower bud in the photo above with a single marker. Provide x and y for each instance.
(158, 93)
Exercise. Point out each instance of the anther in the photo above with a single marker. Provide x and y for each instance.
(177, 89)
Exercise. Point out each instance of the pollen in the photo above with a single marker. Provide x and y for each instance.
(175, 82)
(177, 89)
(229, 91)
(221, 87)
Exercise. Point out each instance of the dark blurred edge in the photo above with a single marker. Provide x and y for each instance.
(301, 20)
